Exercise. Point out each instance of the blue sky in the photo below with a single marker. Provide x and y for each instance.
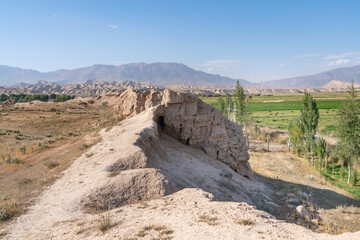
(254, 40)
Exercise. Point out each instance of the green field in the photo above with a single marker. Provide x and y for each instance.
(277, 109)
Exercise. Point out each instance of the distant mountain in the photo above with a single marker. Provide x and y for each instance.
(12, 75)
(336, 84)
(161, 74)
(318, 80)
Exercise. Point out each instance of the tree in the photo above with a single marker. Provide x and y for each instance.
(229, 105)
(310, 119)
(242, 114)
(296, 133)
(221, 105)
(321, 150)
(349, 130)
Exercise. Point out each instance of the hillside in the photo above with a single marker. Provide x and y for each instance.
(336, 84)
(317, 80)
(161, 74)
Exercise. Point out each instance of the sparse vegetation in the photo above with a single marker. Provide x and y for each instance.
(24, 181)
(45, 149)
(114, 173)
(161, 231)
(212, 221)
(143, 205)
(348, 209)
(51, 164)
(8, 210)
(105, 223)
(41, 97)
(246, 221)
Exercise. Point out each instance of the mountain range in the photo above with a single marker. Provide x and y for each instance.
(161, 74)
(165, 75)
(345, 74)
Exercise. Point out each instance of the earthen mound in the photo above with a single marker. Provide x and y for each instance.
(192, 122)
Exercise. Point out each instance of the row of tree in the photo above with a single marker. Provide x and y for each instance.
(236, 106)
(41, 97)
(303, 140)
(302, 130)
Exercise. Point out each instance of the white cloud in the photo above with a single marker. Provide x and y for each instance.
(343, 55)
(311, 55)
(281, 64)
(339, 62)
(221, 62)
(112, 26)
(224, 67)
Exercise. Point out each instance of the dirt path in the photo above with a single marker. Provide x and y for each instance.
(60, 203)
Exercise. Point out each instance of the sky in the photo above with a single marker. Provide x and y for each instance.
(256, 40)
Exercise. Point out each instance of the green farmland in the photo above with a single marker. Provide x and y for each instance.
(277, 109)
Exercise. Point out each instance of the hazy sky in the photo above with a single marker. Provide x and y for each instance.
(254, 40)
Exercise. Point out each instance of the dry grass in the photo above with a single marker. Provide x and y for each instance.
(8, 210)
(105, 223)
(47, 147)
(246, 221)
(156, 231)
(3, 234)
(288, 173)
(335, 229)
(143, 205)
(51, 164)
(114, 173)
(212, 221)
(348, 209)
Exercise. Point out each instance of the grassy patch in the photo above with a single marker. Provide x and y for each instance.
(8, 210)
(212, 221)
(114, 173)
(51, 164)
(162, 232)
(25, 181)
(3, 234)
(333, 175)
(246, 221)
(105, 223)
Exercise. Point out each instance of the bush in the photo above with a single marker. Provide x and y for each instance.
(13, 160)
(8, 211)
(51, 164)
(105, 223)
(245, 222)
(113, 174)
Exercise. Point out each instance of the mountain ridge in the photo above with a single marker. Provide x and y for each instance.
(154, 73)
(165, 74)
(345, 74)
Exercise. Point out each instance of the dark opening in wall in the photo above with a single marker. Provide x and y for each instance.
(161, 122)
(217, 154)
(188, 141)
